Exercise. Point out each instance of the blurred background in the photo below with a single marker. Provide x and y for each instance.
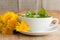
(21, 6)
(6, 5)
(14, 5)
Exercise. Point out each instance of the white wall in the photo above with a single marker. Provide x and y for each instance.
(29, 4)
(51, 4)
(6, 5)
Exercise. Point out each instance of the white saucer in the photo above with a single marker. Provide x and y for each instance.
(53, 29)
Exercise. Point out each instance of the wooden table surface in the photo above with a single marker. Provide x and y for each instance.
(52, 36)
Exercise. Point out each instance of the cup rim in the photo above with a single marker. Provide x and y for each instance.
(37, 18)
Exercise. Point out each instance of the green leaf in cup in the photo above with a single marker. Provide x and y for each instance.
(30, 16)
(42, 12)
(30, 12)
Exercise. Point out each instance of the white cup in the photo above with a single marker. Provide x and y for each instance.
(39, 24)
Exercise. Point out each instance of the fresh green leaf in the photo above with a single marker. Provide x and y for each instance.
(40, 14)
(30, 16)
(30, 12)
(42, 11)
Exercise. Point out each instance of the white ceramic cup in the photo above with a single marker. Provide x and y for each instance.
(39, 24)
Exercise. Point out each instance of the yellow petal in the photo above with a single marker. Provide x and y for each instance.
(9, 15)
(23, 27)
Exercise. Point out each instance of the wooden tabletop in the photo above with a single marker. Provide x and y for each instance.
(52, 36)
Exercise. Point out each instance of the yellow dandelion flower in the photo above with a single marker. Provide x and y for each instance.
(9, 15)
(23, 27)
(12, 23)
(7, 31)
